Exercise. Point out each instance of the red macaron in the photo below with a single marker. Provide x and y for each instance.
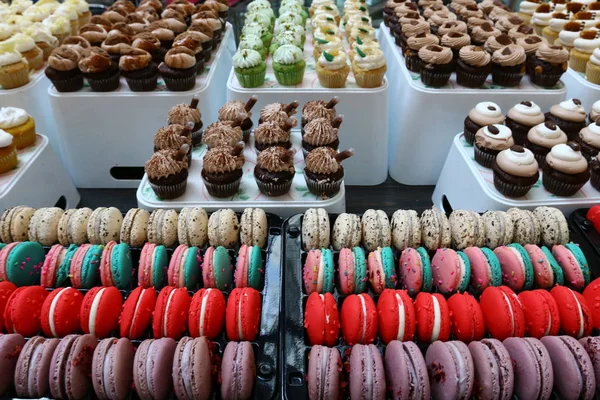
(6, 289)
(433, 317)
(206, 314)
(396, 316)
(359, 319)
(22, 312)
(591, 295)
(575, 316)
(242, 317)
(541, 313)
(100, 311)
(321, 319)
(136, 315)
(171, 313)
(466, 319)
(60, 312)
(502, 312)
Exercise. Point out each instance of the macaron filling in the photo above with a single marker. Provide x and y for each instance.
(401, 318)
(320, 273)
(239, 319)
(364, 317)
(94, 311)
(463, 277)
(492, 355)
(166, 314)
(580, 314)
(107, 368)
(437, 319)
(461, 370)
(33, 364)
(52, 309)
(369, 370)
(510, 312)
(186, 369)
(359, 262)
(135, 313)
(324, 369)
(205, 296)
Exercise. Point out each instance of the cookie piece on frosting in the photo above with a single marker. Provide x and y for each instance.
(515, 171)
(566, 170)
(483, 114)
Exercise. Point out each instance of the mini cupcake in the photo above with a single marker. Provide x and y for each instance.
(167, 172)
(483, 114)
(77, 43)
(99, 70)
(250, 68)
(140, 72)
(595, 111)
(566, 170)
(497, 42)
(63, 70)
(438, 18)
(556, 24)
(222, 170)
(515, 171)
(179, 69)
(436, 65)
(173, 137)
(521, 32)
(14, 70)
(473, 67)
(321, 132)
(28, 49)
(98, 20)
(163, 33)
(505, 24)
(253, 42)
(122, 28)
(483, 32)
(569, 115)
(95, 34)
(323, 170)
(570, 32)
(205, 35)
(223, 133)
(455, 41)
(288, 65)
(184, 114)
(410, 29)
(283, 38)
(548, 65)
(521, 118)
(331, 43)
(18, 123)
(589, 140)
(273, 112)
(369, 67)
(413, 45)
(333, 69)
(452, 27)
(115, 45)
(150, 43)
(319, 109)
(8, 152)
(269, 134)
(192, 41)
(542, 137)
(508, 66)
(43, 38)
(232, 110)
(583, 48)
(491, 140)
(274, 171)
(592, 68)
(595, 173)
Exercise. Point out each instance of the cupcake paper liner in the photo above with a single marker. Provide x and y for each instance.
(578, 61)
(595, 180)
(470, 79)
(105, 85)
(167, 192)
(222, 190)
(323, 188)
(434, 79)
(507, 79)
(289, 78)
(180, 84)
(559, 188)
(549, 35)
(142, 85)
(333, 79)
(36, 62)
(370, 79)
(274, 189)
(510, 189)
(72, 84)
(8, 161)
(251, 80)
(24, 139)
(14, 79)
(545, 80)
(541, 159)
(484, 159)
(592, 73)
(413, 63)
(469, 137)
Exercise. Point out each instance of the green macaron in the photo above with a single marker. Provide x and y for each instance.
(121, 266)
(581, 260)
(559, 277)
(464, 283)
(191, 268)
(62, 275)
(328, 272)
(91, 266)
(387, 259)
(529, 278)
(24, 264)
(427, 274)
(495, 269)
(222, 269)
(255, 268)
(160, 263)
(360, 270)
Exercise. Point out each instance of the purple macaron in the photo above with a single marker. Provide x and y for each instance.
(592, 346)
(71, 367)
(367, 376)
(153, 368)
(238, 371)
(494, 377)
(406, 371)
(324, 366)
(532, 366)
(192, 369)
(112, 368)
(10, 348)
(31, 373)
(451, 370)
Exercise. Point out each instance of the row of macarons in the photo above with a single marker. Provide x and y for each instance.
(79, 366)
(101, 311)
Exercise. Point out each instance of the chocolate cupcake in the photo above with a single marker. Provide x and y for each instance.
(589, 140)
(321, 132)
(223, 133)
(595, 173)
(323, 171)
(508, 66)
(94, 34)
(77, 43)
(480, 34)
(389, 10)
(436, 65)
(515, 171)
(136, 23)
(497, 42)
(184, 114)
(543, 137)
(179, 69)
(483, 114)
(505, 24)
(192, 41)
(491, 140)
(452, 27)
(139, 70)
(319, 109)
(521, 31)
(122, 28)
(410, 29)
(413, 45)
(173, 137)
(569, 115)
(530, 44)
(274, 171)
(63, 70)
(521, 118)
(101, 73)
(222, 170)
(205, 35)
(163, 33)
(455, 41)
(102, 21)
(272, 112)
(473, 67)
(167, 172)
(215, 23)
(269, 134)
(438, 18)
(232, 110)
(150, 43)
(566, 170)
(115, 45)
(548, 65)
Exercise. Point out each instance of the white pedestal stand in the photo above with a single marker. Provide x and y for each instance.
(580, 88)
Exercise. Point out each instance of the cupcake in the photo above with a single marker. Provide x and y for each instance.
(77, 43)
(8, 152)
(566, 170)
(410, 29)
(541, 18)
(173, 137)
(323, 170)
(331, 43)
(491, 140)
(99, 70)
(569, 115)
(508, 66)
(319, 109)
(592, 68)
(139, 70)
(455, 41)
(232, 110)
(14, 70)
(288, 65)
(283, 38)
(521, 32)
(505, 24)
(515, 171)
(222, 170)
(122, 28)
(179, 69)
(582, 50)
(162, 33)
(473, 67)
(274, 171)
(333, 69)
(116, 45)
(273, 112)
(595, 173)
(253, 42)
(527, 8)
(589, 140)
(43, 39)
(530, 44)
(497, 42)
(150, 43)
(167, 172)
(250, 68)
(205, 34)
(59, 26)
(483, 32)
(223, 133)
(184, 114)
(595, 111)
(452, 27)
(269, 134)
(548, 65)
(556, 24)
(18, 123)
(413, 45)
(483, 114)
(369, 67)
(95, 34)
(192, 41)
(570, 32)
(98, 20)
(521, 118)
(436, 65)
(28, 49)
(542, 137)
(63, 70)
(321, 132)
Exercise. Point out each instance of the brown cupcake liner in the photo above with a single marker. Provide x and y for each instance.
(222, 189)
(413, 63)
(541, 159)
(180, 84)
(560, 188)
(434, 79)
(469, 137)
(510, 189)
(506, 79)
(142, 85)
(168, 192)
(470, 79)
(274, 189)
(105, 85)
(319, 188)
(545, 80)
(484, 159)
(595, 180)
(72, 84)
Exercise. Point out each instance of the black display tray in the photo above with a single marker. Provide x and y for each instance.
(583, 232)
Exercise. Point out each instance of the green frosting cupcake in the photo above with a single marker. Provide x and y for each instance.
(260, 18)
(291, 17)
(254, 28)
(249, 67)
(253, 42)
(289, 65)
(283, 38)
(298, 31)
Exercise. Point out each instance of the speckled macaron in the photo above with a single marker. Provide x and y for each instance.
(254, 227)
(435, 229)
(406, 229)
(499, 228)
(467, 229)
(192, 226)
(315, 229)
(77, 226)
(555, 229)
(134, 230)
(14, 224)
(527, 229)
(347, 231)
(376, 230)
(43, 226)
(162, 227)
(223, 228)
(104, 225)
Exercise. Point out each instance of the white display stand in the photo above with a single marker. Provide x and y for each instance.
(580, 88)
(40, 179)
(464, 184)
(100, 131)
(296, 201)
(365, 123)
(421, 117)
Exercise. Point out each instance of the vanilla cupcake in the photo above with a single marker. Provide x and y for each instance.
(542, 137)
(541, 18)
(583, 47)
(14, 70)
(333, 69)
(521, 118)
(28, 49)
(527, 8)
(592, 68)
(589, 140)
(59, 27)
(42, 38)
(6, 31)
(570, 32)
(555, 25)
(369, 68)
(8, 152)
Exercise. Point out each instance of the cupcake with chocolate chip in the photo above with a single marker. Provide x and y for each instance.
(455, 41)
(521, 118)
(140, 72)
(496, 43)
(323, 170)
(491, 140)
(566, 170)
(541, 138)
(184, 114)
(483, 114)
(569, 115)
(101, 73)
(234, 109)
(508, 66)
(436, 65)
(269, 134)
(167, 172)
(274, 171)
(530, 44)
(589, 140)
(473, 66)
(223, 133)
(321, 132)
(548, 65)
(222, 170)
(515, 171)
(413, 45)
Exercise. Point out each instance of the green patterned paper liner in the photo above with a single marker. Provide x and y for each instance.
(24, 157)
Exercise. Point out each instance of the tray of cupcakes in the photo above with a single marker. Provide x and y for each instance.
(145, 305)
(385, 306)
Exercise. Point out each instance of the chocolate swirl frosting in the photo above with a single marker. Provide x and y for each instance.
(416, 27)
(435, 54)
(222, 133)
(416, 42)
(456, 40)
(316, 109)
(474, 56)
(95, 60)
(552, 54)
(276, 159)
(452, 26)
(322, 161)
(509, 56)
(146, 41)
(64, 58)
(221, 160)
(497, 42)
(482, 32)
(182, 113)
(170, 137)
(319, 132)
(269, 133)
(231, 110)
(164, 163)
(530, 43)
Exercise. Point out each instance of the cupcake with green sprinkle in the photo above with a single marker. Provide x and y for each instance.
(289, 65)
(291, 17)
(298, 30)
(295, 8)
(250, 68)
(253, 42)
(261, 18)
(254, 28)
(283, 38)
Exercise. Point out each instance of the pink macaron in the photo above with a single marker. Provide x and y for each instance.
(451, 271)
(51, 265)
(4, 257)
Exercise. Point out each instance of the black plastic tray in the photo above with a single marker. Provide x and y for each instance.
(583, 232)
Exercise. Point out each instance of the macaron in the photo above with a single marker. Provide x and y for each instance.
(136, 315)
(14, 224)
(546, 270)
(6, 289)
(217, 271)
(223, 228)
(352, 271)
(485, 268)
(467, 229)
(33, 367)
(21, 263)
(238, 371)
(499, 228)
(162, 227)
(249, 270)
(321, 319)
(318, 272)
(100, 311)
(315, 229)
(517, 271)
(358, 317)
(52, 263)
(153, 266)
(112, 368)
(153, 368)
(367, 375)
(433, 317)
(396, 316)
(11, 346)
(170, 318)
(451, 271)
(43, 226)
(494, 374)
(206, 314)
(381, 269)
(451, 370)
(85, 266)
(435, 229)
(541, 313)
(575, 317)
(60, 312)
(70, 367)
(63, 226)
(134, 229)
(347, 231)
(116, 265)
(414, 270)
(591, 295)
(502, 312)
(532, 366)
(104, 225)
(23, 310)
(242, 315)
(527, 229)
(555, 229)
(574, 265)
(406, 371)
(466, 318)
(324, 366)
(592, 347)
(192, 226)
(184, 267)
(254, 227)
(192, 369)
(376, 230)
(406, 229)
